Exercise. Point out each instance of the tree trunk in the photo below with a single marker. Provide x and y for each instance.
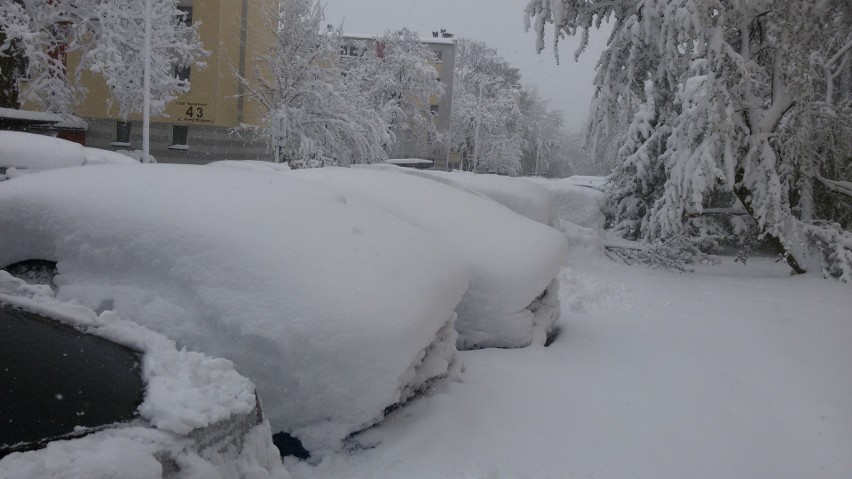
(772, 241)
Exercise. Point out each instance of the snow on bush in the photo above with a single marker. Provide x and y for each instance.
(513, 260)
(185, 393)
(317, 297)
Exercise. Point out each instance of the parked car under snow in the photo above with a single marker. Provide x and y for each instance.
(521, 196)
(313, 294)
(23, 153)
(512, 299)
(89, 395)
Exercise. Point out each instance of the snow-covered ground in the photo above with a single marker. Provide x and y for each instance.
(732, 371)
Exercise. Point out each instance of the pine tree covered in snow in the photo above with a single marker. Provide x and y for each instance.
(318, 117)
(108, 36)
(735, 105)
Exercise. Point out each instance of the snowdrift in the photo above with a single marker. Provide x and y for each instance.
(513, 261)
(313, 295)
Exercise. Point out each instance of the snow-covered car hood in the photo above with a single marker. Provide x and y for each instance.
(197, 413)
(315, 296)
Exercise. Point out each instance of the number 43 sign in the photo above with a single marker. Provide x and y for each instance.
(193, 112)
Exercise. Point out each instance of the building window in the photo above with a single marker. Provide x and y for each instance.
(433, 110)
(182, 71)
(439, 57)
(179, 137)
(122, 133)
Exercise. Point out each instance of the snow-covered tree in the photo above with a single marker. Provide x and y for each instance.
(744, 102)
(108, 36)
(543, 135)
(115, 50)
(314, 114)
(399, 80)
(485, 88)
(37, 32)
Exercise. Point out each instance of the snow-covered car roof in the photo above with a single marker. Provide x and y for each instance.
(190, 399)
(520, 196)
(315, 295)
(22, 153)
(512, 259)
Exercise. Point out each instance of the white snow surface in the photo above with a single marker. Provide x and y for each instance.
(512, 259)
(520, 196)
(315, 296)
(98, 156)
(185, 391)
(254, 165)
(31, 151)
(735, 371)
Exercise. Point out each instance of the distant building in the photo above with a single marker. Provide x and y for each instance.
(444, 47)
(198, 126)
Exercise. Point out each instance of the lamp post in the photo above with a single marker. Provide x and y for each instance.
(146, 83)
(479, 120)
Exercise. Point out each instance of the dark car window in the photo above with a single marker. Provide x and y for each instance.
(55, 380)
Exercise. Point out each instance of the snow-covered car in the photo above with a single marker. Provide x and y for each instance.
(521, 196)
(512, 300)
(313, 294)
(94, 395)
(22, 153)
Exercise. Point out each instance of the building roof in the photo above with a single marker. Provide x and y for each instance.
(59, 120)
(423, 39)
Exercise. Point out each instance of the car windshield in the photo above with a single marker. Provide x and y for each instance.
(58, 381)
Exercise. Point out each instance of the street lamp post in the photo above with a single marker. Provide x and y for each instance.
(146, 83)
(479, 120)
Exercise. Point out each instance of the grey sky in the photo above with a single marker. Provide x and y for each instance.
(498, 23)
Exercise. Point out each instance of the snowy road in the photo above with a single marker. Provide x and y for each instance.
(733, 371)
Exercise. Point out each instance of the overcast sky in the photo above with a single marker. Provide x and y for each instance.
(498, 23)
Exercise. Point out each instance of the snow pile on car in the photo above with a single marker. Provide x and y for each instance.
(186, 393)
(334, 308)
(22, 153)
(512, 299)
(522, 197)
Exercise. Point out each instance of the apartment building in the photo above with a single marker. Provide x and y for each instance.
(202, 125)
(444, 48)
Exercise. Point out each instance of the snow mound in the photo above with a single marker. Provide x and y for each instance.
(314, 296)
(522, 197)
(254, 165)
(29, 151)
(513, 260)
(97, 156)
(135, 453)
(185, 393)
(578, 207)
(24, 153)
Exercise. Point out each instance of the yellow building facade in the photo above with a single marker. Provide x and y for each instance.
(215, 120)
